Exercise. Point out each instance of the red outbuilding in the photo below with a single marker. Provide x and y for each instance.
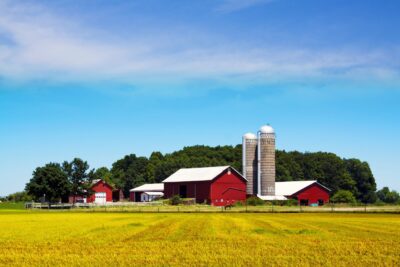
(218, 186)
(306, 192)
(102, 193)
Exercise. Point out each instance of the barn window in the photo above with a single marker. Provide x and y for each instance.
(320, 202)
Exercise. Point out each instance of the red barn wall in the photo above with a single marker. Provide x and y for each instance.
(198, 190)
(228, 189)
(101, 187)
(313, 193)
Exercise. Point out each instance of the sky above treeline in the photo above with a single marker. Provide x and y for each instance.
(102, 79)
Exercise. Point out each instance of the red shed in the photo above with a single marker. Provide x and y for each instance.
(219, 186)
(306, 192)
(102, 193)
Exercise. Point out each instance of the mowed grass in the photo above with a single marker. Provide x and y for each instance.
(132, 239)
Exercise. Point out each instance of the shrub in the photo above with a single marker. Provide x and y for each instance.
(343, 196)
(175, 200)
(254, 201)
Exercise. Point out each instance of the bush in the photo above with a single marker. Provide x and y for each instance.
(175, 200)
(238, 204)
(343, 196)
(254, 201)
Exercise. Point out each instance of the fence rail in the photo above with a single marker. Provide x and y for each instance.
(153, 207)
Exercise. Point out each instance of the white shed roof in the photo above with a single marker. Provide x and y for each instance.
(196, 174)
(272, 197)
(289, 188)
(148, 188)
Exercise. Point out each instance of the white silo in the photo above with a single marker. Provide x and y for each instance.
(266, 161)
(249, 154)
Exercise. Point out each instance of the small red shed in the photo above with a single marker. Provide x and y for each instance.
(102, 193)
(218, 186)
(306, 192)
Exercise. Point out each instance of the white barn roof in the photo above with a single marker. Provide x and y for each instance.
(197, 174)
(284, 189)
(289, 188)
(149, 188)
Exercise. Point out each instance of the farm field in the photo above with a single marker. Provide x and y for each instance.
(121, 239)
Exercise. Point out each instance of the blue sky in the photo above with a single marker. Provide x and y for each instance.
(102, 79)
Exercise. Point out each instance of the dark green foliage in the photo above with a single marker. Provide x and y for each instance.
(175, 200)
(129, 172)
(254, 201)
(49, 181)
(78, 177)
(388, 196)
(343, 196)
(328, 169)
(19, 197)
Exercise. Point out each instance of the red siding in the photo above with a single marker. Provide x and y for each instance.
(313, 193)
(198, 190)
(228, 189)
(101, 187)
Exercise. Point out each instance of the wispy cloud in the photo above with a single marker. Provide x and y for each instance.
(37, 44)
(228, 6)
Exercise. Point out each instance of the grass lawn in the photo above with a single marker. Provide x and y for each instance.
(82, 239)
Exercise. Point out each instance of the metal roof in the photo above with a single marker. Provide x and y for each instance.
(284, 189)
(272, 197)
(148, 188)
(197, 174)
(290, 188)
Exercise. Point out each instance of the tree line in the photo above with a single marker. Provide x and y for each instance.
(58, 181)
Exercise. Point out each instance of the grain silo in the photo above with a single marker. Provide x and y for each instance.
(266, 161)
(249, 154)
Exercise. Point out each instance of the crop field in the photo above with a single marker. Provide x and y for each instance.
(198, 239)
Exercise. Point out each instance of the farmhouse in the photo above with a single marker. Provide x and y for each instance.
(306, 192)
(219, 186)
(146, 192)
(102, 193)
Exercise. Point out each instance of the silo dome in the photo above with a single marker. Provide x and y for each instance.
(266, 129)
(249, 136)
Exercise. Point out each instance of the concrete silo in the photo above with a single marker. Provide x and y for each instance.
(249, 171)
(266, 161)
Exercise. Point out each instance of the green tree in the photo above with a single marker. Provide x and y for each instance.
(19, 197)
(102, 173)
(78, 176)
(343, 196)
(50, 182)
(388, 196)
(129, 172)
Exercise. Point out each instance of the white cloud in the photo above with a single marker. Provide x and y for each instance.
(42, 45)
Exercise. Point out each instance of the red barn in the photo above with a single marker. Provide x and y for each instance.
(103, 192)
(306, 192)
(219, 186)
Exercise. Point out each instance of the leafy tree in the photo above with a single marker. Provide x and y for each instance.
(78, 176)
(102, 173)
(19, 197)
(129, 172)
(388, 196)
(50, 182)
(364, 180)
(343, 196)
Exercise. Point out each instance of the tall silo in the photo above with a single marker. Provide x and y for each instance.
(249, 171)
(266, 161)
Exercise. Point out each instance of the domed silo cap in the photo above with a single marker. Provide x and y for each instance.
(249, 136)
(266, 129)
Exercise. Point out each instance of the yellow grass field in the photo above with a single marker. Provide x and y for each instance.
(214, 239)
